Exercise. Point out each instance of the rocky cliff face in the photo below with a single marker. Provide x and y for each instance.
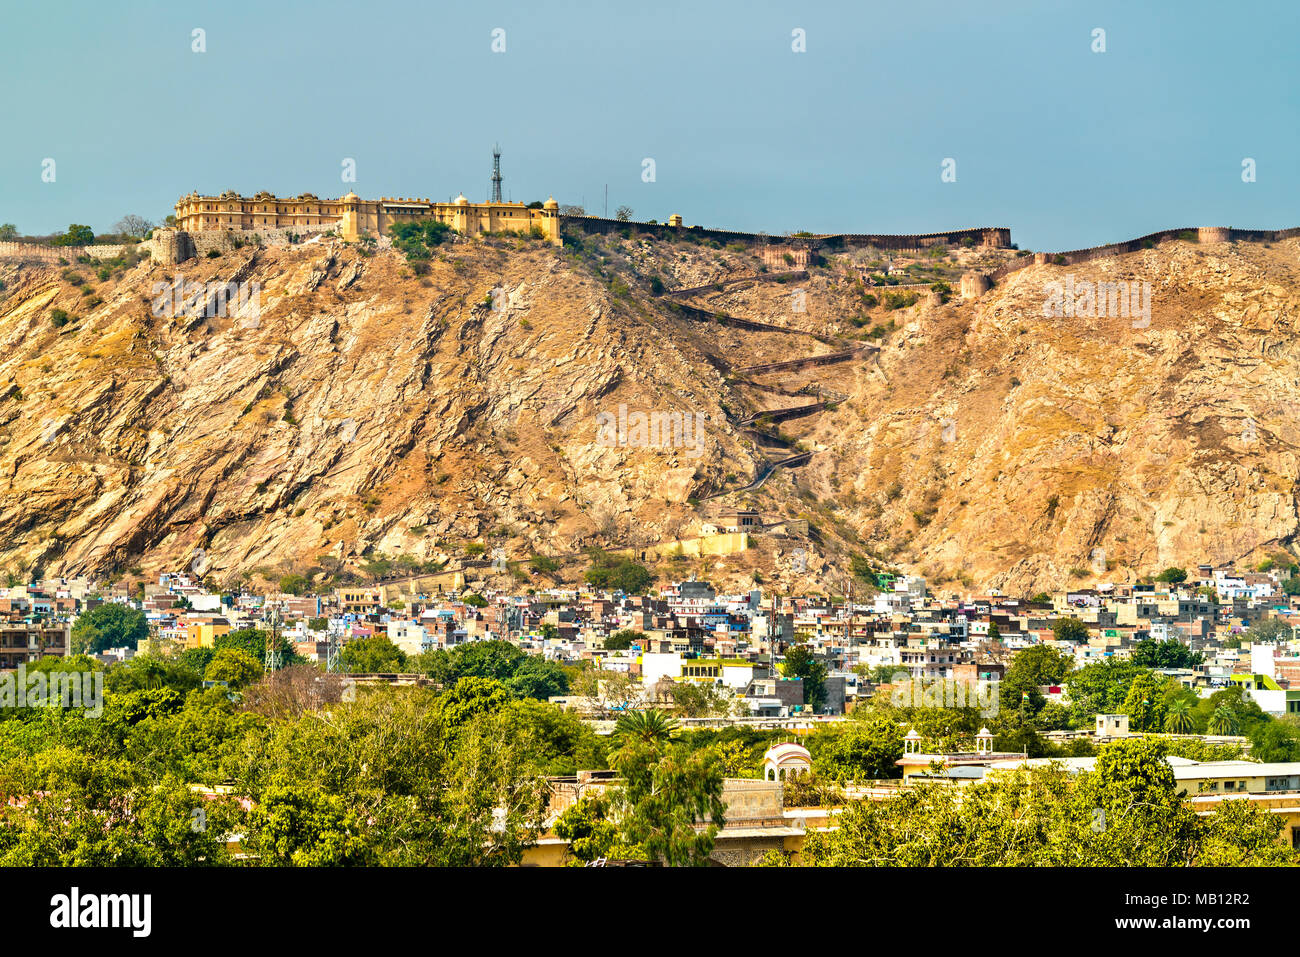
(1004, 447)
(363, 408)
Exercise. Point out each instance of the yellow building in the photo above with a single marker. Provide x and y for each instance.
(358, 599)
(1274, 786)
(203, 633)
(195, 213)
(355, 217)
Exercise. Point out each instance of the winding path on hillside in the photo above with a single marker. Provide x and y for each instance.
(775, 415)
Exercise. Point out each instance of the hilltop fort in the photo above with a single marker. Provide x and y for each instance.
(353, 217)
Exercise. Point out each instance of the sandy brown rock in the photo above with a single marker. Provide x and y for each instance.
(368, 409)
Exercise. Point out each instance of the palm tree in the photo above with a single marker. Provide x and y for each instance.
(646, 727)
(1179, 720)
(1223, 721)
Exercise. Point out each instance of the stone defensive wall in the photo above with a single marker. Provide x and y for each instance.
(167, 245)
(704, 315)
(52, 254)
(723, 543)
(178, 245)
(722, 284)
(453, 580)
(998, 237)
(1200, 234)
(825, 359)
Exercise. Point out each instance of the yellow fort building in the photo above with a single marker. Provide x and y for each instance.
(354, 217)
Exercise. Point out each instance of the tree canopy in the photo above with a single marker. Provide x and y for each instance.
(617, 573)
(1127, 811)
(110, 625)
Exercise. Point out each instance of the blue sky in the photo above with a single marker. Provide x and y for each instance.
(1066, 146)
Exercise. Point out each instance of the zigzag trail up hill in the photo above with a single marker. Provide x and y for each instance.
(372, 410)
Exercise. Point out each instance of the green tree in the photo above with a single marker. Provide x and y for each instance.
(1099, 688)
(419, 239)
(622, 640)
(864, 749)
(543, 564)
(556, 742)
(294, 584)
(1224, 721)
(478, 659)
(1170, 653)
(8, 232)
(1179, 720)
(861, 569)
(1144, 703)
(1144, 821)
(661, 800)
(699, 700)
(300, 826)
(428, 795)
(75, 236)
(151, 672)
(196, 659)
(1126, 811)
(1275, 741)
(617, 573)
(110, 625)
(235, 666)
(1030, 669)
(471, 697)
(535, 677)
(644, 727)
(802, 662)
(585, 825)
(371, 655)
(253, 641)
(78, 821)
(1069, 629)
(1241, 834)
(1172, 576)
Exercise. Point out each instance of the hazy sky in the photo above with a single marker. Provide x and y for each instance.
(1066, 146)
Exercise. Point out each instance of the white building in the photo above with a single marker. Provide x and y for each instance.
(410, 636)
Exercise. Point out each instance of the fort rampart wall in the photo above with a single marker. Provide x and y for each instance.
(1200, 234)
(37, 251)
(996, 236)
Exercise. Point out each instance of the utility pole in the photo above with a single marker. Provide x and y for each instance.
(607, 200)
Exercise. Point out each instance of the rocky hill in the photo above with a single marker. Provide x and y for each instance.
(372, 406)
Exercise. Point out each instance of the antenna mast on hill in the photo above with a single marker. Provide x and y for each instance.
(496, 174)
